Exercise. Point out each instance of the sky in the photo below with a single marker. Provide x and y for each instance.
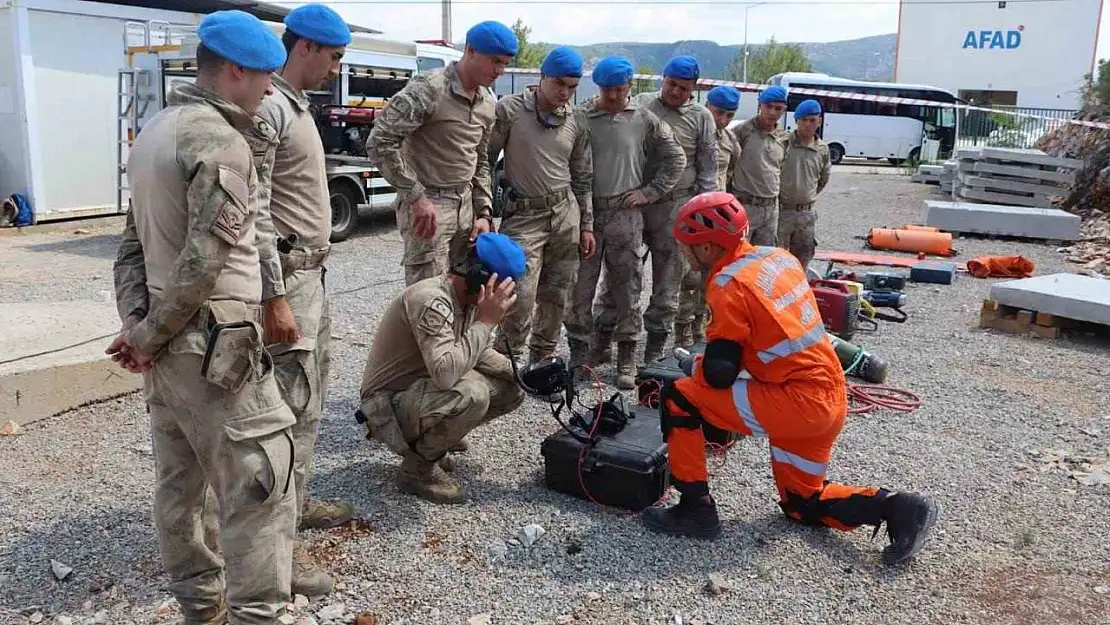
(583, 21)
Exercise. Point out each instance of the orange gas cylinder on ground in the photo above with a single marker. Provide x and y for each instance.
(914, 239)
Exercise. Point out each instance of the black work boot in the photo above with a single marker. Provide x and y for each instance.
(653, 348)
(695, 516)
(909, 517)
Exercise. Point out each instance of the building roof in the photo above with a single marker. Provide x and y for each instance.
(262, 10)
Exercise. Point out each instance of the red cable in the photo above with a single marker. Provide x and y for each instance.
(868, 397)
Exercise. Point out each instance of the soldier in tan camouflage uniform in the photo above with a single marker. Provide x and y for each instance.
(689, 327)
(294, 186)
(763, 151)
(431, 144)
(693, 127)
(189, 290)
(622, 136)
(549, 208)
(433, 376)
(804, 175)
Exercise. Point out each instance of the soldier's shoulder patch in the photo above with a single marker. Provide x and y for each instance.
(398, 108)
(232, 209)
(435, 314)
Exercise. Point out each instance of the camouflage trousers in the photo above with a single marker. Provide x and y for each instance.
(425, 258)
(666, 268)
(691, 298)
(797, 231)
(619, 233)
(301, 369)
(763, 217)
(427, 421)
(549, 237)
(235, 444)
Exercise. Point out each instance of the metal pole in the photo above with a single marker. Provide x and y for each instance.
(447, 21)
(746, 44)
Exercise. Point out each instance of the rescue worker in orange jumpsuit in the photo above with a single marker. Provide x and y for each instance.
(768, 370)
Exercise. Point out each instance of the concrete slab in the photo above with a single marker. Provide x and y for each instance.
(930, 169)
(1069, 295)
(973, 195)
(1018, 221)
(1012, 185)
(53, 359)
(1017, 171)
(1036, 157)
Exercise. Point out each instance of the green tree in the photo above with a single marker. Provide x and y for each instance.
(769, 59)
(1097, 91)
(528, 54)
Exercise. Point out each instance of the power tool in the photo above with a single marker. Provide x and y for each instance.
(839, 306)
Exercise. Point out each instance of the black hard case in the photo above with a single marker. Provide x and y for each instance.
(627, 471)
(650, 377)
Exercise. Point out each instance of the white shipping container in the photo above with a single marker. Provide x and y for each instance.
(59, 100)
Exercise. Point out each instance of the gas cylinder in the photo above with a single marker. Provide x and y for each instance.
(858, 362)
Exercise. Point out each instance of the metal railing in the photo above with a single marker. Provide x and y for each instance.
(1007, 126)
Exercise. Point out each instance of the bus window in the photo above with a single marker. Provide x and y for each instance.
(947, 118)
(371, 87)
(425, 64)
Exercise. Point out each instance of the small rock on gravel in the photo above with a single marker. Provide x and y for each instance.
(333, 612)
(11, 428)
(300, 602)
(530, 533)
(717, 584)
(308, 620)
(287, 619)
(479, 619)
(36, 617)
(61, 571)
(62, 619)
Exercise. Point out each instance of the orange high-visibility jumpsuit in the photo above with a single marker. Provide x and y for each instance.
(797, 398)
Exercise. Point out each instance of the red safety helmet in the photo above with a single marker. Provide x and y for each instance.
(714, 217)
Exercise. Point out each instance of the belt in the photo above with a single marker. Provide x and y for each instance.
(605, 203)
(459, 189)
(796, 207)
(299, 258)
(540, 202)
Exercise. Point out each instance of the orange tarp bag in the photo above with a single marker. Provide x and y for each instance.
(1000, 267)
(916, 239)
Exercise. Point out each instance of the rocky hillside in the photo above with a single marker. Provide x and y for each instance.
(870, 58)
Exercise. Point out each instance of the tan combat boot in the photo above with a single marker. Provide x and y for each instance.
(318, 514)
(308, 579)
(683, 335)
(215, 615)
(427, 480)
(626, 365)
(699, 328)
(653, 349)
(602, 352)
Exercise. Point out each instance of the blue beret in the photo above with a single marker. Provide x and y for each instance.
(492, 38)
(562, 61)
(613, 71)
(807, 108)
(772, 94)
(320, 24)
(242, 39)
(682, 67)
(501, 255)
(724, 97)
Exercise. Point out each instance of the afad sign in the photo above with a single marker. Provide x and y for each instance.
(993, 39)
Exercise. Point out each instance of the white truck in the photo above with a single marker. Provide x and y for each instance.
(81, 78)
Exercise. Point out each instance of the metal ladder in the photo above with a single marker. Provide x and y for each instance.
(134, 86)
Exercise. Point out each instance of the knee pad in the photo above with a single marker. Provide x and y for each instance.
(669, 419)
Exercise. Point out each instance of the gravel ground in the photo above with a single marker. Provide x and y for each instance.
(1015, 543)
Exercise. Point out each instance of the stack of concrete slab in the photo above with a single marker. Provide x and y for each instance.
(928, 174)
(1014, 221)
(1066, 295)
(948, 177)
(1012, 177)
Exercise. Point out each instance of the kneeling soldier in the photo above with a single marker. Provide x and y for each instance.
(433, 375)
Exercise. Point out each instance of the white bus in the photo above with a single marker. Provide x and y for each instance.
(874, 130)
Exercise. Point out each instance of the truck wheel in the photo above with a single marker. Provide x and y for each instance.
(344, 210)
(836, 153)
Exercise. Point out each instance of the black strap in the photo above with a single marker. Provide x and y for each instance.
(899, 318)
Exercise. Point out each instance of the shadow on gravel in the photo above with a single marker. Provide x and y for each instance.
(368, 485)
(97, 246)
(114, 556)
